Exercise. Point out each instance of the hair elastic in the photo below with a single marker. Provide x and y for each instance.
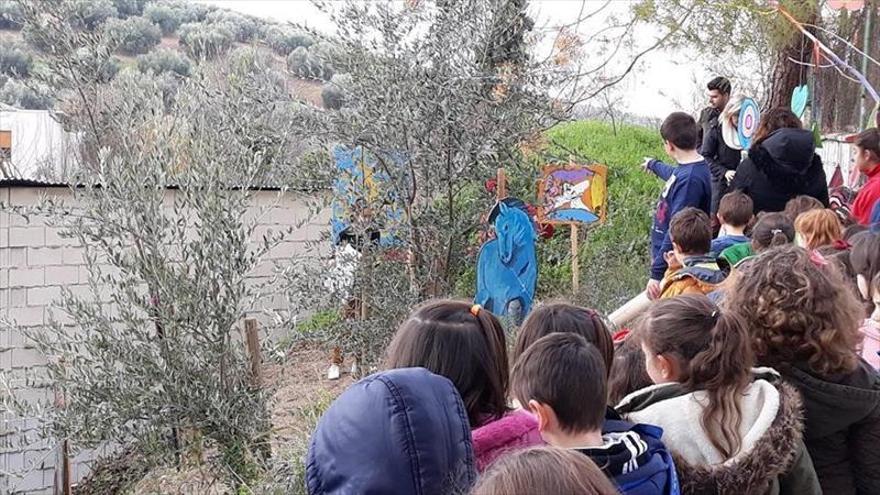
(475, 309)
(776, 231)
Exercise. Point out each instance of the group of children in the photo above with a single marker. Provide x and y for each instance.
(753, 371)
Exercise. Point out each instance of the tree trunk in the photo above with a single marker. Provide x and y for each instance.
(788, 75)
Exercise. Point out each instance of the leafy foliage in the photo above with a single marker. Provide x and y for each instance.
(134, 35)
(305, 63)
(127, 8)
(284, 40)
(164, 60)
(19, 95)
(244, 27)
(206, 41)
(15, 60)
(10, 15)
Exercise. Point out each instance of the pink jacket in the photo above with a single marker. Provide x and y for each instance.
(516, 430)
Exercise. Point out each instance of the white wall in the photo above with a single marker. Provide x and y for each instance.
(35, 262)
(38, 142)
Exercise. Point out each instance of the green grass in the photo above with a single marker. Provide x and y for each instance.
(614, 257)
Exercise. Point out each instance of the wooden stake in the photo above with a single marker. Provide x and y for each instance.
(501, 184)
(575, 264)
(252, 338)
(62, 455)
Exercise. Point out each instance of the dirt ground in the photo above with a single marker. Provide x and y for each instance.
(302, 393)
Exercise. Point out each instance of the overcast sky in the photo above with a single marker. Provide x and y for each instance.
(665, 82)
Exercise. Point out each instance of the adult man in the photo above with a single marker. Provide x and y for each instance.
(719, 94)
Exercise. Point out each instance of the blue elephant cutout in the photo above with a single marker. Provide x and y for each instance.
(507, 266)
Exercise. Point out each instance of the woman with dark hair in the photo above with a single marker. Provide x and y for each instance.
(466, 344)
(804, 322)
(782, 164)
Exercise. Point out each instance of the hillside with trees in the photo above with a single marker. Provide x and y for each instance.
(164, 38)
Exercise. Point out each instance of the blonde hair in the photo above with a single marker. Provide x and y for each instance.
(818, 228)
(544, 470)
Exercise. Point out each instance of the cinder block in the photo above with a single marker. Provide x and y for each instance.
(27, 317)
(43, 296)
(73, 255)
(26, 277)
(43, 256)
(13, 257)
(27, 236)
(62, 275)
(54, 239)
(13, 298)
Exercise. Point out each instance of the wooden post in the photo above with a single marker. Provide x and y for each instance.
(252, 338)
(575, 262)
(62, 455)
(501, 184)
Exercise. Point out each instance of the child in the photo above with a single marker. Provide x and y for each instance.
(561, 379)
(628, 372)
(801, 204)
(689, 184)
(368, 439)
(544, 470)
(867, 145)
(693, 270)
(865, 262)
(771, 230)
(734, 215)
(731, 429)
(466, 344)
(805, 324)
(561, 317)
(818, 228)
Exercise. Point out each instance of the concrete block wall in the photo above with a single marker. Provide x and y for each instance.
(36, 262)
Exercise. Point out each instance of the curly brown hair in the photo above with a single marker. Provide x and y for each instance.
(798, 312)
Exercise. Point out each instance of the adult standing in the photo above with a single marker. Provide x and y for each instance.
(867, 145)
(782, 164)
(723, 152)
(719, 94)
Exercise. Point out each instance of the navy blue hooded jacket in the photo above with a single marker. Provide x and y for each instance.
(403, 431)
(687, 185)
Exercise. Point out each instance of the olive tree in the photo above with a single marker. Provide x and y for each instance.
(134, 35)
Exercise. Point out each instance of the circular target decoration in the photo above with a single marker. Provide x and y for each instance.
(749, 116)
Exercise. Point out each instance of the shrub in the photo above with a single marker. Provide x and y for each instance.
(134, 35)
(304, 63)
(166, 17)
(164, 60)
(109, 69)
(128, 8)
(333, 92)
(285, 40)
(92, 14)
(16, 94)
(10, 15)
(245, 28)
(205, 41)
(15, 60)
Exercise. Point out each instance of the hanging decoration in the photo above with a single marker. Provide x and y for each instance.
(828, 53)
(799, 98)
(850, 5)
(747, 124)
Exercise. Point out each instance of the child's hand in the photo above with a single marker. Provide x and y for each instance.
(653, 289)
(646, 163)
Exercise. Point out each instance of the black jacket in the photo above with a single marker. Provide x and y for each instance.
(720, 157)
(781, 167)
(842, 428)
(708, 117)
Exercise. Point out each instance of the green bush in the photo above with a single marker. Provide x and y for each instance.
(168, 18)
(93, 13)
(285, 40)
(165, 60)
(205, 41)
(127, 8)
(309, 63)
(134, 35)
(245, 28)
(614, 257)
(15, 60)
(18, 95)
(10, 15)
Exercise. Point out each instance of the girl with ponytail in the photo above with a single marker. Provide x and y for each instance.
(466, 344)
(731, 428)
